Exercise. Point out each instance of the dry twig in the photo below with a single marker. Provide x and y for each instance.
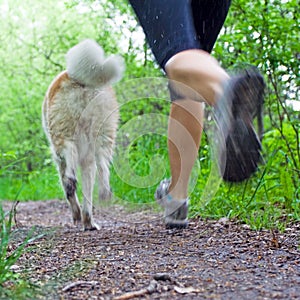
(151, 288)
(274, 241)
(77, 283)
(14, 209)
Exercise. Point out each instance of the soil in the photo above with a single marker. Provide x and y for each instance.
(133, 256)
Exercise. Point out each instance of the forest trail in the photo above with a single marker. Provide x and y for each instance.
(133, 256)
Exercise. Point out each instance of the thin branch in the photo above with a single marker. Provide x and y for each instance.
(78, 283)
(14, 209)
(151, 288)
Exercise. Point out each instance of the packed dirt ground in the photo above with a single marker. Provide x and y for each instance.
(133, 256)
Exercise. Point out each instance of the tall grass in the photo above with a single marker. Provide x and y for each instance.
(12, 284)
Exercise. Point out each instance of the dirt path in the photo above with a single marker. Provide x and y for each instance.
(133, 254)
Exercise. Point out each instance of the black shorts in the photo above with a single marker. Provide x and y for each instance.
(172, 26)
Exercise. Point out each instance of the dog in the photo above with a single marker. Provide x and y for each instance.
(80, 117)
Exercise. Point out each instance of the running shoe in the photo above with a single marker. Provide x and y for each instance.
(176, 211)
(239, 145)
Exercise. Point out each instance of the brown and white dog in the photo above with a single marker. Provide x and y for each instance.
(80, 118)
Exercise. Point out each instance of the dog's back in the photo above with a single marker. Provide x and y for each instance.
(80, 118)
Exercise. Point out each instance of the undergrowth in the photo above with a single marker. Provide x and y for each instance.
(13, 285)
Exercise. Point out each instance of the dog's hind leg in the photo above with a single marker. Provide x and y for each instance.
(103, 158)
(88, 171)
(66, 161)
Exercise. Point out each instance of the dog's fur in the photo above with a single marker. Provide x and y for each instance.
(80, 118)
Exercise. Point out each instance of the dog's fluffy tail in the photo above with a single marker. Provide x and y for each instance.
(86, 64)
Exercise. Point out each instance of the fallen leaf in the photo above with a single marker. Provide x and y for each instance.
(186, 290)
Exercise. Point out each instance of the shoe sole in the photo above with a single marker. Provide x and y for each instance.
(242, 153)
(176, 225)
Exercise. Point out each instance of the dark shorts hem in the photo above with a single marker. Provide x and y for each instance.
(174, 26)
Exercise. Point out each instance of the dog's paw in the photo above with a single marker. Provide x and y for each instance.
(88, 222)
(92, 226)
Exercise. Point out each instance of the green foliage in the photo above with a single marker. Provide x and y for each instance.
(264, 33)
(12, 286)
(6, 262)
(35, 37)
